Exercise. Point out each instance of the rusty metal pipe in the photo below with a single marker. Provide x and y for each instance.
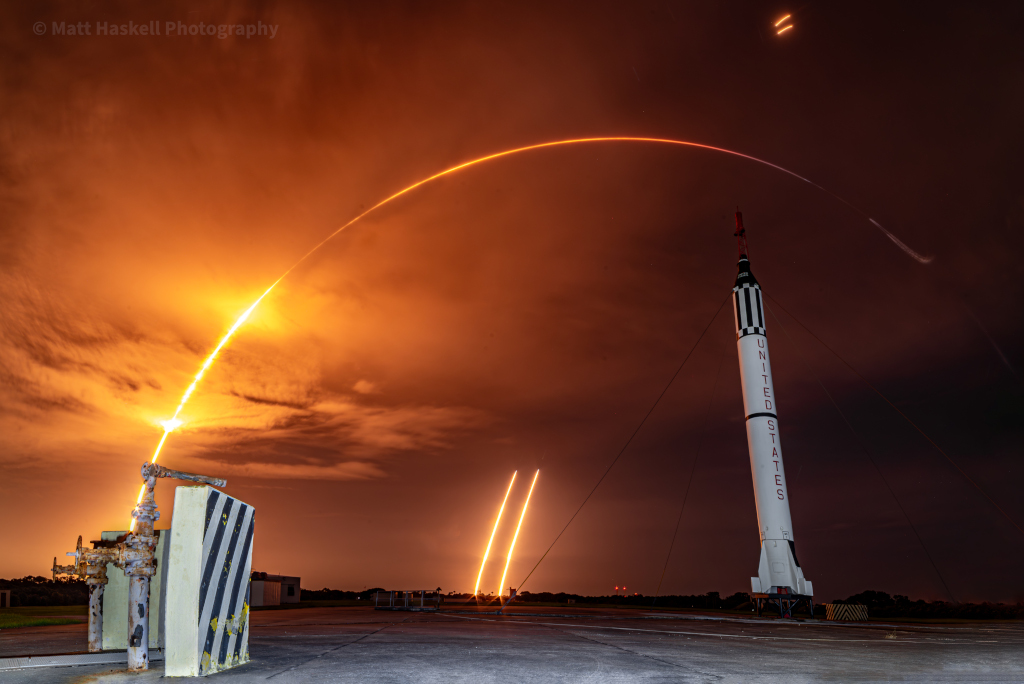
(90, 565)
(138, 623)
(96, 579)
(137, 554)
(96, 617)
(153, 470)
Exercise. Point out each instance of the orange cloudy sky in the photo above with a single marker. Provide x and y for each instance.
(524, 313)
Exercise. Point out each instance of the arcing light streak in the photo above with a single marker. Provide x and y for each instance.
(899, 243)
(782, 20)
(497, 155)
(174, 422)
(783, 30)
(501, 510)
(577, 141)
(508, 560)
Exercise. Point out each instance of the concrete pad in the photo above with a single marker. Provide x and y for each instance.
(363, 645)
(20, 641)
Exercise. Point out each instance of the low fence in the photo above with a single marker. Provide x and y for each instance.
(846, 611)
(416, 599)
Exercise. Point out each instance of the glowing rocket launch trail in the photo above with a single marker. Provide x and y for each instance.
(631, 139)
(522, 515)
(174, 422)
(501, 510)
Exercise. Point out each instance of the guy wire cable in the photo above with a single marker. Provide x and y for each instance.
(628, 441)
(693, 468)
(904, 415)
(865, 448)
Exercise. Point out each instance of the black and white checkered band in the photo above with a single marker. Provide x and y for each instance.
(746, 302)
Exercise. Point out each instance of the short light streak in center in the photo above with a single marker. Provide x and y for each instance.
(173, 423)
(783, 30)
(490, 541)
(508, 560)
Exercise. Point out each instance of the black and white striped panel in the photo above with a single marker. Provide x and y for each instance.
(746, 301)
(224, 586)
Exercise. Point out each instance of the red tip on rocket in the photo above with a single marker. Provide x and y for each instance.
(741, 235)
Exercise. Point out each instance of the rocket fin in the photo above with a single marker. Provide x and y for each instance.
(763, 576)
(778, 568)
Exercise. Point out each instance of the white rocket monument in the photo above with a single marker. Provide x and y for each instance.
(778, 572)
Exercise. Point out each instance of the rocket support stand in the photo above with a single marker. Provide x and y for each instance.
(785, 603)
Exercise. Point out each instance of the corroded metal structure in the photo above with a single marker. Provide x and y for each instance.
(135, 554)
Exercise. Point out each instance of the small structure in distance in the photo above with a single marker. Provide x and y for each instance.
(274, 590)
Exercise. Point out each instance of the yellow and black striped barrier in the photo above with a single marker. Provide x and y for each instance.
(846, 611)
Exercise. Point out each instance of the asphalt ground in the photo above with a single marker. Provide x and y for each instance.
(530, 644)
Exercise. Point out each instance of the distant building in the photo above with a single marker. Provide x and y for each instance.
(273, 590)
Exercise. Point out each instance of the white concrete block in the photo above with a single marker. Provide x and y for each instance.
(209, 563)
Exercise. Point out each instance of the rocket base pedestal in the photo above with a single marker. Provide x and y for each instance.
(784, 603)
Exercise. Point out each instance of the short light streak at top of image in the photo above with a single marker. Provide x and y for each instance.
(173, 423)
(522, 515)
(476, 589)
(782, 20)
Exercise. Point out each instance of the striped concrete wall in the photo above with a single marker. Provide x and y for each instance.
(224, 591)
(210, 560)
(844, 611)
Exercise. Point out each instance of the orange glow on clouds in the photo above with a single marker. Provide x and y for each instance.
(174, 421)
(497, 155)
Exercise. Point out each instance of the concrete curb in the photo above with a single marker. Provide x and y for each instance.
(70, 659)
